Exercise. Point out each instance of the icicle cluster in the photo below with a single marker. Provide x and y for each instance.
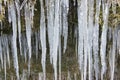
(92, 39)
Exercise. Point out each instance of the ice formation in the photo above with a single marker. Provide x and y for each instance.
(43, 39)
(65, 8)
(17, 3)
(94, 41)
(105, 8)
(82, 37)
(28, 25)
(14, 37)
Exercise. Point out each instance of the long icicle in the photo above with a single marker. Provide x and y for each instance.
(5, 65)
(90, 37)
(85, 34)
(56, 37)
(17, 3)
(80, 37)
(60, 57)
(28, 32)
(14, 37)
(105, 8)
(60, 33)
(43, 39)
(83, 37)
(65, 8)
(96, 39)
(1, 55)
(112, 54)
(50, 24)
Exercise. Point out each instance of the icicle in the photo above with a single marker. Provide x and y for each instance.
(6, 48)
(118, 42)
(90, 37)
(43, 39)
(110, 33)
(28, 32)
(19, 23)
(14, 43)
(115, 32)
(1, 55)
(56, 37)
(60, 33)
(60, 57)
(5, 65)
(96, 39)
(50, 17)
(65, 5)
(9, 14)
(85, 50)
(112, 54)
(104, 38)
(82, 36)
(32, 12)
(0, 7)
